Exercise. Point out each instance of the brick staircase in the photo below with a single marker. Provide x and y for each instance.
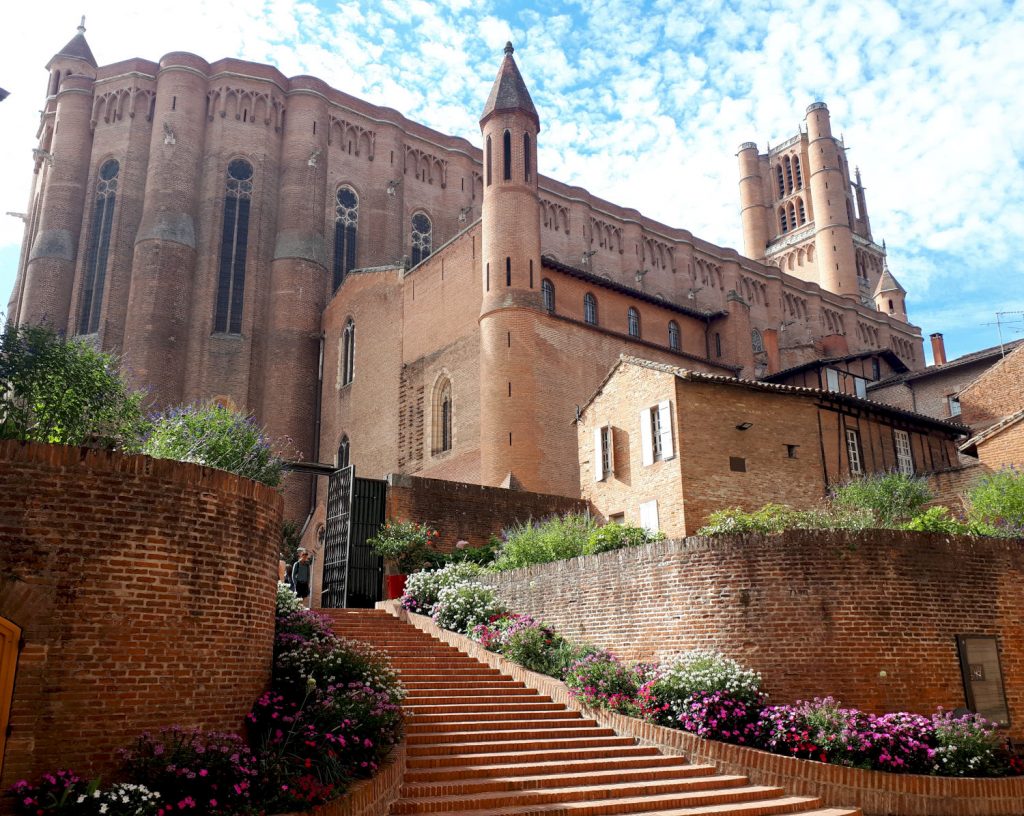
(480, 743)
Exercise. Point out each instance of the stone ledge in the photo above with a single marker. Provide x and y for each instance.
(876, 793)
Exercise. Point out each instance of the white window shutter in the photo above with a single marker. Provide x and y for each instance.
(598, 456)
(665, 416)
(646, 443)
(649, 515)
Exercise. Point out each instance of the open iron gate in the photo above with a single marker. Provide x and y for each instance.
(355, 512)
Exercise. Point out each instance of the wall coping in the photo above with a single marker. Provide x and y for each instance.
(877, 793)
(94, 460)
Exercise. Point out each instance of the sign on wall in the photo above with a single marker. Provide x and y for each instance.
(983, 677)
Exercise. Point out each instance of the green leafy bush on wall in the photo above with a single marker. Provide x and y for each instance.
(996, 502)
(889, 497)
(64, 392)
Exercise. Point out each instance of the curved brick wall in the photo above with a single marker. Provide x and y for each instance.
(145, 589)
(869, 618)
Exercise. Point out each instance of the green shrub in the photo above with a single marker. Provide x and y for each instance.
(997, 502)
(553, 539)
(567, 653)
(616, 536)
(216, 437)
(774, 518)
(599, 680)
(65, 392)
(702, 671)
(890, 497)
(462, 606)
(940, 520)
(405, 543)
(534, 648)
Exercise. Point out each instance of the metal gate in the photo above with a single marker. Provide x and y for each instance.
(355, 512)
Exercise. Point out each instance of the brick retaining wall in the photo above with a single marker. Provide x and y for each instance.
(869, 618)
(145, 589)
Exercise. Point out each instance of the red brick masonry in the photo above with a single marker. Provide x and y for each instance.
(870, 618)
(876, 793)
(145, 589)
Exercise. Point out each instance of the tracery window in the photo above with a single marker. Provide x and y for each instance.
(442, 416)
(547, 289)
(781, 183)
(99, 248)
(673, 336)
(633, 318)
(756, 341)
(343, 453)
(348, 352)
(421, 237)
(590, 309)
(233, 245)
(346, 220)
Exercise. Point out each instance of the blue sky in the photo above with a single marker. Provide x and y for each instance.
(645, 103)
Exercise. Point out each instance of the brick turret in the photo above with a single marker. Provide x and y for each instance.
(62, 167)
(754, 211)
(510, 277)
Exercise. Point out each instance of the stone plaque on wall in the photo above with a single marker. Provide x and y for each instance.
(983, 677)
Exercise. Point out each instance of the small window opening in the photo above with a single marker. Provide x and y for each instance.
(737, 464)
(791, 451)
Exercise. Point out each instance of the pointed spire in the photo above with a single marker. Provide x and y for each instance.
(887, 282)
(76, 48)
(509, 92)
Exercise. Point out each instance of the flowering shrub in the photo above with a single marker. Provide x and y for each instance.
(64, 792)
(287, 601)
(667, 697)
(405, 543)
(422, 589)
(521, 639)
(774, 518)
(217, 437)
(969, 746)
(719, 715)
(204, 773)
(889, 497)
(602, 681)
(463, 606)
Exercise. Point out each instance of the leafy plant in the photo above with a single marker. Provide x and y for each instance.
(406, 543)
(968, 745)
(616, 536)
(217, 437)
(940, 520)
(539, 542)
(774, 518)
(65, 392)
(422, 589)
(997, 502)
(463, 606)
(889, 497)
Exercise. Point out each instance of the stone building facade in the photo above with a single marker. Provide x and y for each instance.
(378, 291)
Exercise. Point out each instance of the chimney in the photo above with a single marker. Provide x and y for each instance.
(938, 349)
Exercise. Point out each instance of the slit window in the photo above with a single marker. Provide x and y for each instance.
(348, 352)
(506, 156)
(526, 156)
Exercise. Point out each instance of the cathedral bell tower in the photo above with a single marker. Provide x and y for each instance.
(510, 278)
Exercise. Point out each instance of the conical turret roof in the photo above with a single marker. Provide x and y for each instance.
(887, 282)
(509, 92)
(76, 48)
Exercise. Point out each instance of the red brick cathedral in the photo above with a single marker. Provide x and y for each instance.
(390, 296)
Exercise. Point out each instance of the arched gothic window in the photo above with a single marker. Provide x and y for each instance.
(756, 341)
(590, 309)
(673, 336)
(801, 211)
(789, 174)
(99, 248)
(547, 289)
(781, 183)
(346, 220)
(633, 318)
(783, 223)
(507, 156)
(526, 156)
(348, 352)
(233, 244)
(421, 237)
(343, 454)
(797, 173)
(442, 416)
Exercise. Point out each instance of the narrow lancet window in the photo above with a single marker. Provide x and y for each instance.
(99, 248)
(233, 246)
(346, 221)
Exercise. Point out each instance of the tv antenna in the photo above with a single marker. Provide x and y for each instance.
(1001, 318)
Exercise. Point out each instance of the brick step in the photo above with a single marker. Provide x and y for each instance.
(538, 703)
(433, 669)
(512, 746)
(493, 683)
(649, 761)
(523, 803)
(573, 731)
(556, 777)
(489, 695)
(519, 725)
(441, 760)
(472, 719)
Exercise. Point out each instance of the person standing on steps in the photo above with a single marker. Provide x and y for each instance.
(302, 573)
